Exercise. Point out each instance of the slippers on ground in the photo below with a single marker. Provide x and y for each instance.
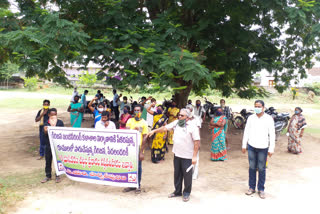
(128, 189)
(173, 195)
(186, 198)
(138, 190)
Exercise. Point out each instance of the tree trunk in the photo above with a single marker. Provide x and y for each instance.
(181, 96)
(7, 84)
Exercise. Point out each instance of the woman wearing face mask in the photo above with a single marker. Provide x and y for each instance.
(295, 131)
(96, 112)
(218, 146)
(76, 112)
(124, 117)
(173, 112)
(158, 148)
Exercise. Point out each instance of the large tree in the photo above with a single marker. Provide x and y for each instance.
(182, 44)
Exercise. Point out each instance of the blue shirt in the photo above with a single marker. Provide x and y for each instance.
(115, 97)
(97, 116)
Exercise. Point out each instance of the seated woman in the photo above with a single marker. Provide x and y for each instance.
(158, 148)
(96, 112)
(218, 146)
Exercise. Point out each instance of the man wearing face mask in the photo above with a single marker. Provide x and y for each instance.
(105, 122)
(259, 140)
(186, 142)
(43, 117)
(199, 112)
(53, 121)
(96, 112)
(139, 124)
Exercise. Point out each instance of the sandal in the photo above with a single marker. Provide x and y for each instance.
(128, 189)
(262, 195)
(186, 198)
(58, 179)
(138, 190)
(173, 195)
(46, 179)
(250, 192)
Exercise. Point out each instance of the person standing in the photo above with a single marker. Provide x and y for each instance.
(186, 141)
(173, 112)
(199, 112)
(124, 117)
(96, 112)
(75, 93)
(139, 124)
(115, 105)
(84, 99)
(218, 125)
(43, 117)
(259, 140)
(227, 113)
(105, 122)
(196, 120)
(295, 131)
(76, 112)
(158, 148)
(53, 121)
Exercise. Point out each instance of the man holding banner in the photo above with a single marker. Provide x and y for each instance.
(53, 121)
(186, 142)
(139, 124)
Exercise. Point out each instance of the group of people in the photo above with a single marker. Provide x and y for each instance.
(161, 125)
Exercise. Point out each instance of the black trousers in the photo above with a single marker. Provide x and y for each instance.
(116, 112)
(180, 174)
(48, 156)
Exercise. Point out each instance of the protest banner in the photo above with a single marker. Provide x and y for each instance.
(108, 157)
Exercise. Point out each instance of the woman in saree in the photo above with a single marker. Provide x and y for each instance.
(158, 148)
(218, 124)
(173, 112)
(76, 112)
(295, 131)
(124, 117)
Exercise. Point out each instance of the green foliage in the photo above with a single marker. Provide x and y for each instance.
(315, 87)
(88, 79)
(187, 45)
(31, 83)
(7, 70)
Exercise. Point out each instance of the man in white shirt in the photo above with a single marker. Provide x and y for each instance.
(198, 124)
(186, 140)
(105, 122)
(199, 112)
(259, 140)
(75, 93)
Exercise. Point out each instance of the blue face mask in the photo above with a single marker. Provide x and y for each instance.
(125, 111)
(257, 110)
(159, 111)
(218, 113)
(297, 112)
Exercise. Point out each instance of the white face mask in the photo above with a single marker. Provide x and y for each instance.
(100, 109)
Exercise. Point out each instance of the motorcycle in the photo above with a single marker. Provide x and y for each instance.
(239, 122)
(281, 120)
(210, 108)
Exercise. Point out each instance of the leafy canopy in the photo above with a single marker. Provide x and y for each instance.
(183, 44)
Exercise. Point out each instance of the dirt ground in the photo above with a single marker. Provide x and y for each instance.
(292, 180)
